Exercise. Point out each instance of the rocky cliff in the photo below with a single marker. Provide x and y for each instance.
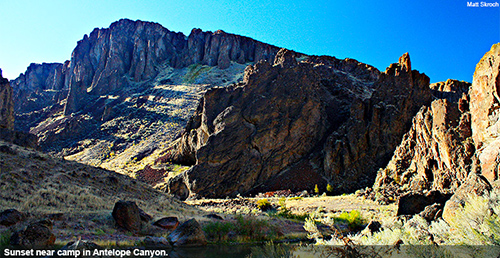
(41, 86)
(128, 90)
(6, 104)
(452, 146)
(298, 123)
(134, 51)
(437, 152)
(484, 108)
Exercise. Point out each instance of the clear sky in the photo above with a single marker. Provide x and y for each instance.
(445, 38)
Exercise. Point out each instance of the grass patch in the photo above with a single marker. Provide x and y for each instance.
(352, 219)
(244, 229)
(194, 71)
(285, 212)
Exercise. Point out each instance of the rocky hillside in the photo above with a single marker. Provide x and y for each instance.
(127, 91)
(298, 123)
(217, 114)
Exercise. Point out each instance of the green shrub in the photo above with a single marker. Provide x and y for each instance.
(264, 205)
(316, 189)
(251, 229)
(245, 228)
(352, 219)
(218, 231)
(329, 189)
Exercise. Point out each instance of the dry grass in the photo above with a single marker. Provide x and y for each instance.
(39, 185)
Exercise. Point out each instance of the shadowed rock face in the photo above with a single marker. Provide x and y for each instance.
(132, 51)
(6, 104)
(355, 152)
(331, 121)
(41, 86)
(485, 116)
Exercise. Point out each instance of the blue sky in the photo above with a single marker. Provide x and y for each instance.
(445, 38)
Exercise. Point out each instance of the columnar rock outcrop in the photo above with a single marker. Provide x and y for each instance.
(6, 104)
(366, 143)
(485, 112)
(40, 86)
(132, 51)
(437, 152)
(269, 132)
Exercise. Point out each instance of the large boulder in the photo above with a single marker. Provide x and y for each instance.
(484, 109)
(36, 235)
(188, 234)
(127, 215)
(11, 217)
(169, 223)
(475, 185)
(415, 203)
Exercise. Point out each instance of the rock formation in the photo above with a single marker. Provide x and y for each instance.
(485, 116)
(269, 132)
(452, 146)
(132, 51)
(127, 91)
(437, 152)
(6, 104)
(367, 141)
(40, 86)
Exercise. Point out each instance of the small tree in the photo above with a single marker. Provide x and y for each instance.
(329, 189)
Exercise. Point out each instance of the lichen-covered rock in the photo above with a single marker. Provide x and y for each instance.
(6, 104)
(485, 115)
(188, 234)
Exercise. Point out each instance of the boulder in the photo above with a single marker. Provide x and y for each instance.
(415, 203)
(36, 235)
(188, 234)
(144, 216)
(485, 119)
(475, 185)
(432, 212)
(169, 223)
(11, 217)
(127, 215)
(373, 227)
